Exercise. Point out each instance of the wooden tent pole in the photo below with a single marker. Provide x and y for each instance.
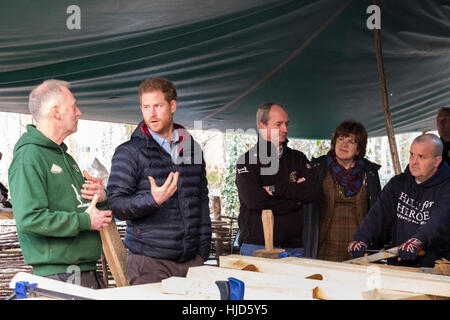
(385, 102)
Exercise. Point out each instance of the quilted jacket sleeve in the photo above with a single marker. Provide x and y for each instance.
(124, 200)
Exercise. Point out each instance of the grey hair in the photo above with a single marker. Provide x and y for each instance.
(438, 145)
(45, 95)
(262, 114)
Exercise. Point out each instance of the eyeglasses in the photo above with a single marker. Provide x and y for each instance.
(342, 140)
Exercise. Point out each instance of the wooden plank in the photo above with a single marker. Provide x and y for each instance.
(361, 275)
(105, 269)
(139, 292)
(115, 253)
(274, 287)
(54, 285)
(151, 291)
(6, 214)
(403, 295)
(442, 267)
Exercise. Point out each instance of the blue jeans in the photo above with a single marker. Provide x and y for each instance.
(247, 249)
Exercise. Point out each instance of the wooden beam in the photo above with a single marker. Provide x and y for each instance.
(217, 208)
(6, 214)
(151, 291)
(105, 270)
(360, 275)
(140, 292)
(53, 285)
(385, 103)
(270, 286)
(115, 253)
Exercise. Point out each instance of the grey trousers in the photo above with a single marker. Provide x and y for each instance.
(88, 279)
(143, 269)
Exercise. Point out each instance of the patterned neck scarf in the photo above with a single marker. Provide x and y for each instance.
(351, 180)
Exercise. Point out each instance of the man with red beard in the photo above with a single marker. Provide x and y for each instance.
(158, 184)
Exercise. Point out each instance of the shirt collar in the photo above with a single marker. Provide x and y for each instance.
(161, 140)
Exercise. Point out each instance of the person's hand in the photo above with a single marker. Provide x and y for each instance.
(410, 249)
(93, 186)
(267, 190)
(302, 179)
(99, 218)
(357, 248)
(164, 192)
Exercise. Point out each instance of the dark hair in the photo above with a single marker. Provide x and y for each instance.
(348, 127)
(158, 84)
(444, 110)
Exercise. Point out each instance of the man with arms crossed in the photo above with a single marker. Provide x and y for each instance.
(273, 176)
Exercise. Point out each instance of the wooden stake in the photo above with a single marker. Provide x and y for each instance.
(115, 253)
(269, 251)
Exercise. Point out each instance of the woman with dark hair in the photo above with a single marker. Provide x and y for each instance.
(349, 187)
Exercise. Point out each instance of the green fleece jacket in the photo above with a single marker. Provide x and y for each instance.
(52, 225)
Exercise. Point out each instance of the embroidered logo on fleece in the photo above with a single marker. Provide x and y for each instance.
(55, 169)
(242, 170)
(293, 176)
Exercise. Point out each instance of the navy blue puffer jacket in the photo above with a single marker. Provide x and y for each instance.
(180, 228)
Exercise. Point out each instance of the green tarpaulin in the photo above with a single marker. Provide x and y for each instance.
(227, 57)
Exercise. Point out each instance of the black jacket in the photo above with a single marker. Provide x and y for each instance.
(181, 227)
(286, 202)
(446, 152)
(413, 210)
(312, 211)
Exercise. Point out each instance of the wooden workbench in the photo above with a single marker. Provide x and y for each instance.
(276, 279)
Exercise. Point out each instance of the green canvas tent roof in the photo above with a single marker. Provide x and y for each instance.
(227, 57)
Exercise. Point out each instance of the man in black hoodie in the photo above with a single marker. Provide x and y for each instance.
(273, 176)
(415, 206)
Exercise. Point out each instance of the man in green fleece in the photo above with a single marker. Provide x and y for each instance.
(54, 207)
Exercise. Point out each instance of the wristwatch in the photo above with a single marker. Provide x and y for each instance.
(272, 189)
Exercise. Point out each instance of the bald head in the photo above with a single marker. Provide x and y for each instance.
(425, 156)
(434, 142)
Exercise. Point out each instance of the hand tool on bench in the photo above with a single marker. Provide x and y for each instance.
(233, 289)
(382, 254)
(269, 251)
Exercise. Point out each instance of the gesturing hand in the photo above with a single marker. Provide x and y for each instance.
(93, 186)
(99, 218)
(164, 192)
